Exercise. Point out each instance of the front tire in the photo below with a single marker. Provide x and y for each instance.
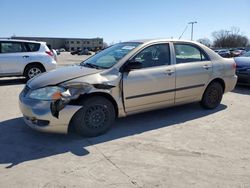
(95, 117)
(212, 96)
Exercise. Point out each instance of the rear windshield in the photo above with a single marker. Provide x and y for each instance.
(32, 47)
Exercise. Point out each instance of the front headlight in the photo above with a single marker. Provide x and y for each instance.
(47, 93)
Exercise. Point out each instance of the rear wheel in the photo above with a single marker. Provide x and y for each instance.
(33, 70)
(212, 95)
(95, 117)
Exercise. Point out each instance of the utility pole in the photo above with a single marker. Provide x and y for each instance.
(192, 29)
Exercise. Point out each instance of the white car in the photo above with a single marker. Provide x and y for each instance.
(25, 58)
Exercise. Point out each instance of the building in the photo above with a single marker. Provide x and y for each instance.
(70, 44)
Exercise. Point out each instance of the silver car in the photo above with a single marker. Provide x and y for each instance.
(124, 79)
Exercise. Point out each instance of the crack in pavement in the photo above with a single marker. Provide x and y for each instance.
(133, 182)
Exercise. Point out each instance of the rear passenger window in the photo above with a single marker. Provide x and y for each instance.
(33, 47)
(186, 53)
(11, 47)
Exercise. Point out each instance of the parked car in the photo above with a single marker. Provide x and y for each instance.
(223, 53)
(53, 51)
(25, 58)
(146, 75)
(84, 52)
(54, 54)
(58, 52)
(62, 50)
(243, 68)
(237, 53)
(75, 52)
(247, 54)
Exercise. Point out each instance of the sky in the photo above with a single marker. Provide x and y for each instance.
(122, 20)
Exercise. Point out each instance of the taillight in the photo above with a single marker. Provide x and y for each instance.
(234, 65)
(50, 53)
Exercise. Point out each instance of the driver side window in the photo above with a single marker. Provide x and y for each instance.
(155, 55)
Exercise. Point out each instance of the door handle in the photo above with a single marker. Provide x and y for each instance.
(207, 67)
(169, 72)
(26, 56)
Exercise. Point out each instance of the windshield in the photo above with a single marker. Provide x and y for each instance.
(247, 54)
(110, 56)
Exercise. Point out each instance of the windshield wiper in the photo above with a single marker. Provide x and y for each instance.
(91, 65)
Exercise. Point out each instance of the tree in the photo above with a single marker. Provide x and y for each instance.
(205, 41)
(229, 38)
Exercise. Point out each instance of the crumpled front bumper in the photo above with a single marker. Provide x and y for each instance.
(37, 114)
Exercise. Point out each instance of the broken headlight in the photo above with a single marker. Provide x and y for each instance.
(47, 93)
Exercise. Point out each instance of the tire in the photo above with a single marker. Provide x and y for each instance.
(212, 96)
(95, 117)
(33, 70)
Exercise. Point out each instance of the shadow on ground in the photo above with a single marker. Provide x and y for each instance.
(12, 81)
(242, 89)
(19, 143)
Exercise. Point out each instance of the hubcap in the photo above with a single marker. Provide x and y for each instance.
(213, 96)
(33, 72)
(96, 116)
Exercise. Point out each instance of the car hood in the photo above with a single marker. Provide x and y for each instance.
(60, 75)
(242, 61)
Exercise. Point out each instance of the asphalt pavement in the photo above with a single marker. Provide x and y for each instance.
(184, 146)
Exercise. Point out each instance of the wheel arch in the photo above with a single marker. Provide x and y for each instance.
(33, 63)
(105, 95)
(94, 94)
(220, 81)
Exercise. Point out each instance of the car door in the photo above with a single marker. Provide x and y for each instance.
(12, 57)
(152, 85)
(193, 71)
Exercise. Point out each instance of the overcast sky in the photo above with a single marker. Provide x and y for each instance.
(121, 20)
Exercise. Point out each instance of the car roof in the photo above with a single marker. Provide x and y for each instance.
(162, 40)
(15, 40)
(211, 53)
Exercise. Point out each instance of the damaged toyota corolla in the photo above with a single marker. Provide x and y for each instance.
(124, 79)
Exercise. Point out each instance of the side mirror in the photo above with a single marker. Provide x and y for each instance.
(132, 64)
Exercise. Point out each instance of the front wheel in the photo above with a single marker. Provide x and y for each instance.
(95, 117)
(212, 95)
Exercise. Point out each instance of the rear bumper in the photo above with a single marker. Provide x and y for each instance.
(50, 66)
(230, 83)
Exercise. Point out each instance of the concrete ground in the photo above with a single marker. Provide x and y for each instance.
(184, 146)
(65, 58)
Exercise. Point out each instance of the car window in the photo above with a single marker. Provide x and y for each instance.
(11, 47)
(155, 55)
(110, 56)
(247, 54)
(186, 53)
(32, 47)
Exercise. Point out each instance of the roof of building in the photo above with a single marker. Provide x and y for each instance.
(62, 38)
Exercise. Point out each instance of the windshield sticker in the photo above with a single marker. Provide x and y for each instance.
(128, 47)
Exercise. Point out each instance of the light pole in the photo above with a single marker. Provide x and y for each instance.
(192, 29)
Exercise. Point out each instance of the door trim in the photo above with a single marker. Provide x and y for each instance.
(165, 91)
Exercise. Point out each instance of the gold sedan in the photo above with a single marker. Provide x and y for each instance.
(124, 79)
